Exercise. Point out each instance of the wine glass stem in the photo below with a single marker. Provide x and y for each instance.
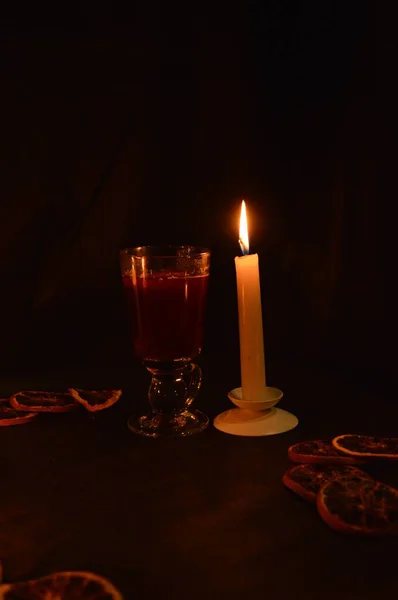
(168, 390)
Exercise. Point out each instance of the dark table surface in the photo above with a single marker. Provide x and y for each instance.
(201, 517)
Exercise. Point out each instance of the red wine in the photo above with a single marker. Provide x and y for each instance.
(167, 313)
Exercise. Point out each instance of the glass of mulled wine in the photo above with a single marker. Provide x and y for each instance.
(166, 289)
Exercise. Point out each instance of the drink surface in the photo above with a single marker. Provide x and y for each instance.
(167, 315)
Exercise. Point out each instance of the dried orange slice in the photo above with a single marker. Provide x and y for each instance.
(42, 402)
(366, 446)
(319, 452)
(66, 585)
(10, 416)
(94, 400)
(359, 505)
(307, 480)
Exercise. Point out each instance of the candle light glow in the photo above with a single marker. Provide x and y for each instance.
(243, 230)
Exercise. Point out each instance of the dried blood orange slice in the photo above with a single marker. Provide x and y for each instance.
(10, 416)
(366, 446)
(67, 585)
(307, 480)
(358, 505)
(42, 401)
(319, 452)
(94, 400)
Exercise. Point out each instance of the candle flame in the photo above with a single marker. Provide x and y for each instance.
(243, 233)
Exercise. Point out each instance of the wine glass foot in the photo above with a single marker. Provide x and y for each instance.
(182, 424)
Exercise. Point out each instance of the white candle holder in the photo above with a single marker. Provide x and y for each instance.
(255, 418)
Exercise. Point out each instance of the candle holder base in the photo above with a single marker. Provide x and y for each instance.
(255, 418)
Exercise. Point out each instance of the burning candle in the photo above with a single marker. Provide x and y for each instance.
(251, 340)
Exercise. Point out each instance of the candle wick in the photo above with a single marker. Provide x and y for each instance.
(242, 248)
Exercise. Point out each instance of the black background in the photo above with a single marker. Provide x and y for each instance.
(150, 125)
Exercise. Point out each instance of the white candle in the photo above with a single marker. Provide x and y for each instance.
(252, 364)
